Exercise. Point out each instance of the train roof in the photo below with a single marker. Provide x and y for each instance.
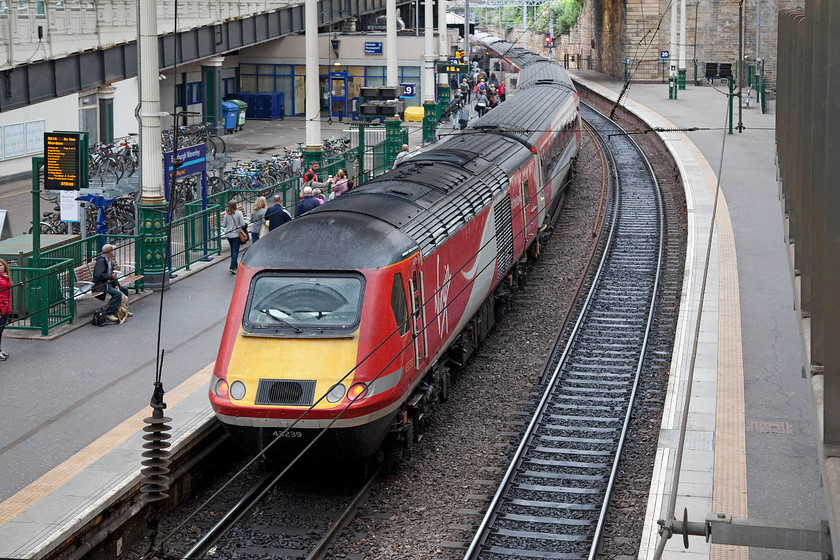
(533, 113)
(414, 207)
(510, 51)
(543, 71)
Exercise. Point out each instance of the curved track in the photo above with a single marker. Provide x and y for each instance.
(553, 499)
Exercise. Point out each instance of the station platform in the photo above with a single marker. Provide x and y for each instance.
(750, 446)
(73, 406)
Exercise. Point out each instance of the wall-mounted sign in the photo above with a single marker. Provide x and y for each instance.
(65, 160)
(373, 47)
(664, 54)
(409, 90)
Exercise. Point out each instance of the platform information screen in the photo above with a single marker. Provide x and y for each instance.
(63, 157)
(452, 68)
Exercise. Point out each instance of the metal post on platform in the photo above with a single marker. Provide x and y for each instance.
(35, 291)
(153, 207)
(731, 97)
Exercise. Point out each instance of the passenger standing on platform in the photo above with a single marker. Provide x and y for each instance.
(465, 90)
(400, 156)
(307, 203)
(257, 218)
(339, 184)
(311, 173)
(5, 302)
(232, 223)
(481, 104)
(317, 195)
(105, 282)
(457, 105)
(277, 215)
(501, 91)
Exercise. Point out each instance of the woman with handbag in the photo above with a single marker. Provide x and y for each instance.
(235, 231)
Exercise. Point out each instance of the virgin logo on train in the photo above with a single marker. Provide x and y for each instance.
(442, 299)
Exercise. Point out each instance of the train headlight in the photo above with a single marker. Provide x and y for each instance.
(357, 391)
(221, 388)
(237, 390)
(336, 393)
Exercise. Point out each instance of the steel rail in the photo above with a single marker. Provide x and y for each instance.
(610, 252)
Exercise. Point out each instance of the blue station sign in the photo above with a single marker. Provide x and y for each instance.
(373, 47)
(193, 158)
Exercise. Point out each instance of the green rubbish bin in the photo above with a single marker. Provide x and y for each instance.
(240, 123)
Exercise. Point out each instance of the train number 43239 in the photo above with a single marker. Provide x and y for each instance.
(290, 433)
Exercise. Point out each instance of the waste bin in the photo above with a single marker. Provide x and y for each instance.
(230, 112)
(240, 123)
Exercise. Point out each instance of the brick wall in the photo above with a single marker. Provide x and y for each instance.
(639, 29)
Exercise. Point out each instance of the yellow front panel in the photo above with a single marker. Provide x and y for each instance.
(325, 360)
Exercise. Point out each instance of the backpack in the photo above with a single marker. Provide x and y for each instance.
(99, 317)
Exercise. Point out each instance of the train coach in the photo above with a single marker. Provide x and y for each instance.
(345, 324)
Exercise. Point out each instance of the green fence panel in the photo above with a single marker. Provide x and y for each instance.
(42, 298)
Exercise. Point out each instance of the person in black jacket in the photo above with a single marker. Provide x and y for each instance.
(105, 282)
(276, 215)
(307, 203)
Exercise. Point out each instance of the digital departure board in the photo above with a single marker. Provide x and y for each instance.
(452, 68)
(63, 159)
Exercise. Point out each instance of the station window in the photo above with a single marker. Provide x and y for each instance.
(4, 9)
(229, 86)
(88, 117)
(398, 305)
(265, 78)
(75, 5)
(374, 75)
(59, 6)
(23, 9)
(194, 93)
(40, 9)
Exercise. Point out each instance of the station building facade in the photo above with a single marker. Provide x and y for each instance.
(277, 66)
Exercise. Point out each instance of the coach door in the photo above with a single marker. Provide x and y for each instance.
(418, 317)
(529, 202)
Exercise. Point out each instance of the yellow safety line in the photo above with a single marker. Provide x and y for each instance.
(729, 493)
(37, 490)
(15, 193)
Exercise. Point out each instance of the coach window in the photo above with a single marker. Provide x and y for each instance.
(526, 195)
(398, 304)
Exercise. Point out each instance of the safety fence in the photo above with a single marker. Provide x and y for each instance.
(45, 296)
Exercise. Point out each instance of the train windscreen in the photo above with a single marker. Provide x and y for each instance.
(288, 304)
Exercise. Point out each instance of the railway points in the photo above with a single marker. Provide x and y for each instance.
(776, 471)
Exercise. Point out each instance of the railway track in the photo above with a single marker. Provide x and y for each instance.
(290, 519)
(553, 499)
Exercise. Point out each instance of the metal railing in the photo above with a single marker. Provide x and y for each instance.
(44, 297)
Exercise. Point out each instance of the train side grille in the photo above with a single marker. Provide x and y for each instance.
(504, 236)
(283, 392)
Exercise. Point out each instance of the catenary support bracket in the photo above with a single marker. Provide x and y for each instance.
(722, 528)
